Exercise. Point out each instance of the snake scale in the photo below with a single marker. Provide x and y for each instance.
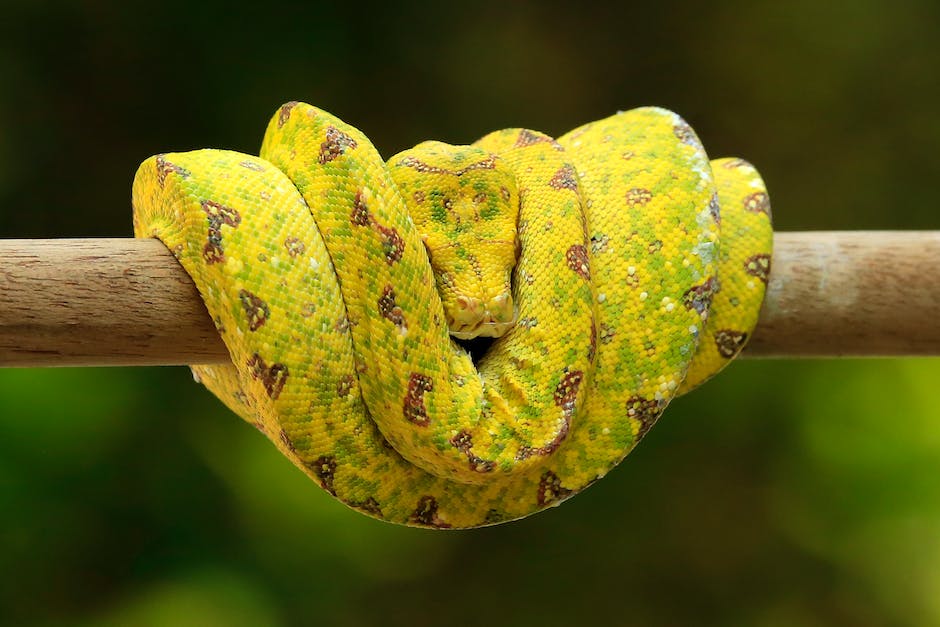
(616, 266)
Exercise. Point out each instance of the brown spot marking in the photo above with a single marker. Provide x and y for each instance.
(685, 134)
(566, 392)
(655, 246)
(528, 322)
(283, 115)
(217, 215)
(699, 297)
(730, 342)
(242, 398)
(463, 442)
(638, 196)
(335, 144)
(607, 333)
(370, 506)
(273, 377)
(759, 266)
(599, 242)
(528, 138)
(426, 514)
(550, 489)
(294, 246)
(565, 395)
(256, 309)
(632, 280)
(251, 165)
(419, 197)
(479, 198)
(714, 209)
(164, 168)
(390, 310)
(285, 439)
(344, 385)
(410, 162)
(324, 468)
(360, 215)
(392, 244)
(448, 205)
(647, 411)
(221, 213)
(758, 202)
(565, 178)
(577, 258)
(414, 408)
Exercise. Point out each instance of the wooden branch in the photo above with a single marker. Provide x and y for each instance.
(100, 302)
(851, 294)
(109, 302)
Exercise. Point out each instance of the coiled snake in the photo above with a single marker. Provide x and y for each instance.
(335, 277)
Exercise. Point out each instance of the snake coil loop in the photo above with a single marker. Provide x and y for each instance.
(618, 264)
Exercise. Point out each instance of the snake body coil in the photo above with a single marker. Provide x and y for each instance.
(313, 260)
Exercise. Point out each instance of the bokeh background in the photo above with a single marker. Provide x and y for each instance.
(782, 493)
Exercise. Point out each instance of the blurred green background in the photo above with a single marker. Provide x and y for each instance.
(782, 493)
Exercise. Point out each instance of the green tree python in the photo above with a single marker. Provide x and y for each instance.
(616, 267)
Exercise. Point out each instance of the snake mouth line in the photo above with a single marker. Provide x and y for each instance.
(477, 344)
(484, 328)
(475, 317)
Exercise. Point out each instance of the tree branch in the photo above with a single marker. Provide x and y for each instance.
(109, 302)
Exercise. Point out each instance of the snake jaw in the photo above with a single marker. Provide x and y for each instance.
(476, 318)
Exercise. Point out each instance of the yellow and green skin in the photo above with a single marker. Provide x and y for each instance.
(617, 267)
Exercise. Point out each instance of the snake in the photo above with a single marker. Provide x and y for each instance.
(604, 273)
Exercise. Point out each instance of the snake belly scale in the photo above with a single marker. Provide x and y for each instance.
(617, 265)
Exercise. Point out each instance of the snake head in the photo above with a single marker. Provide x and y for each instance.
(465, 203)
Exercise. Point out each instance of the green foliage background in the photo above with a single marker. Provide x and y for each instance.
(783, 493)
